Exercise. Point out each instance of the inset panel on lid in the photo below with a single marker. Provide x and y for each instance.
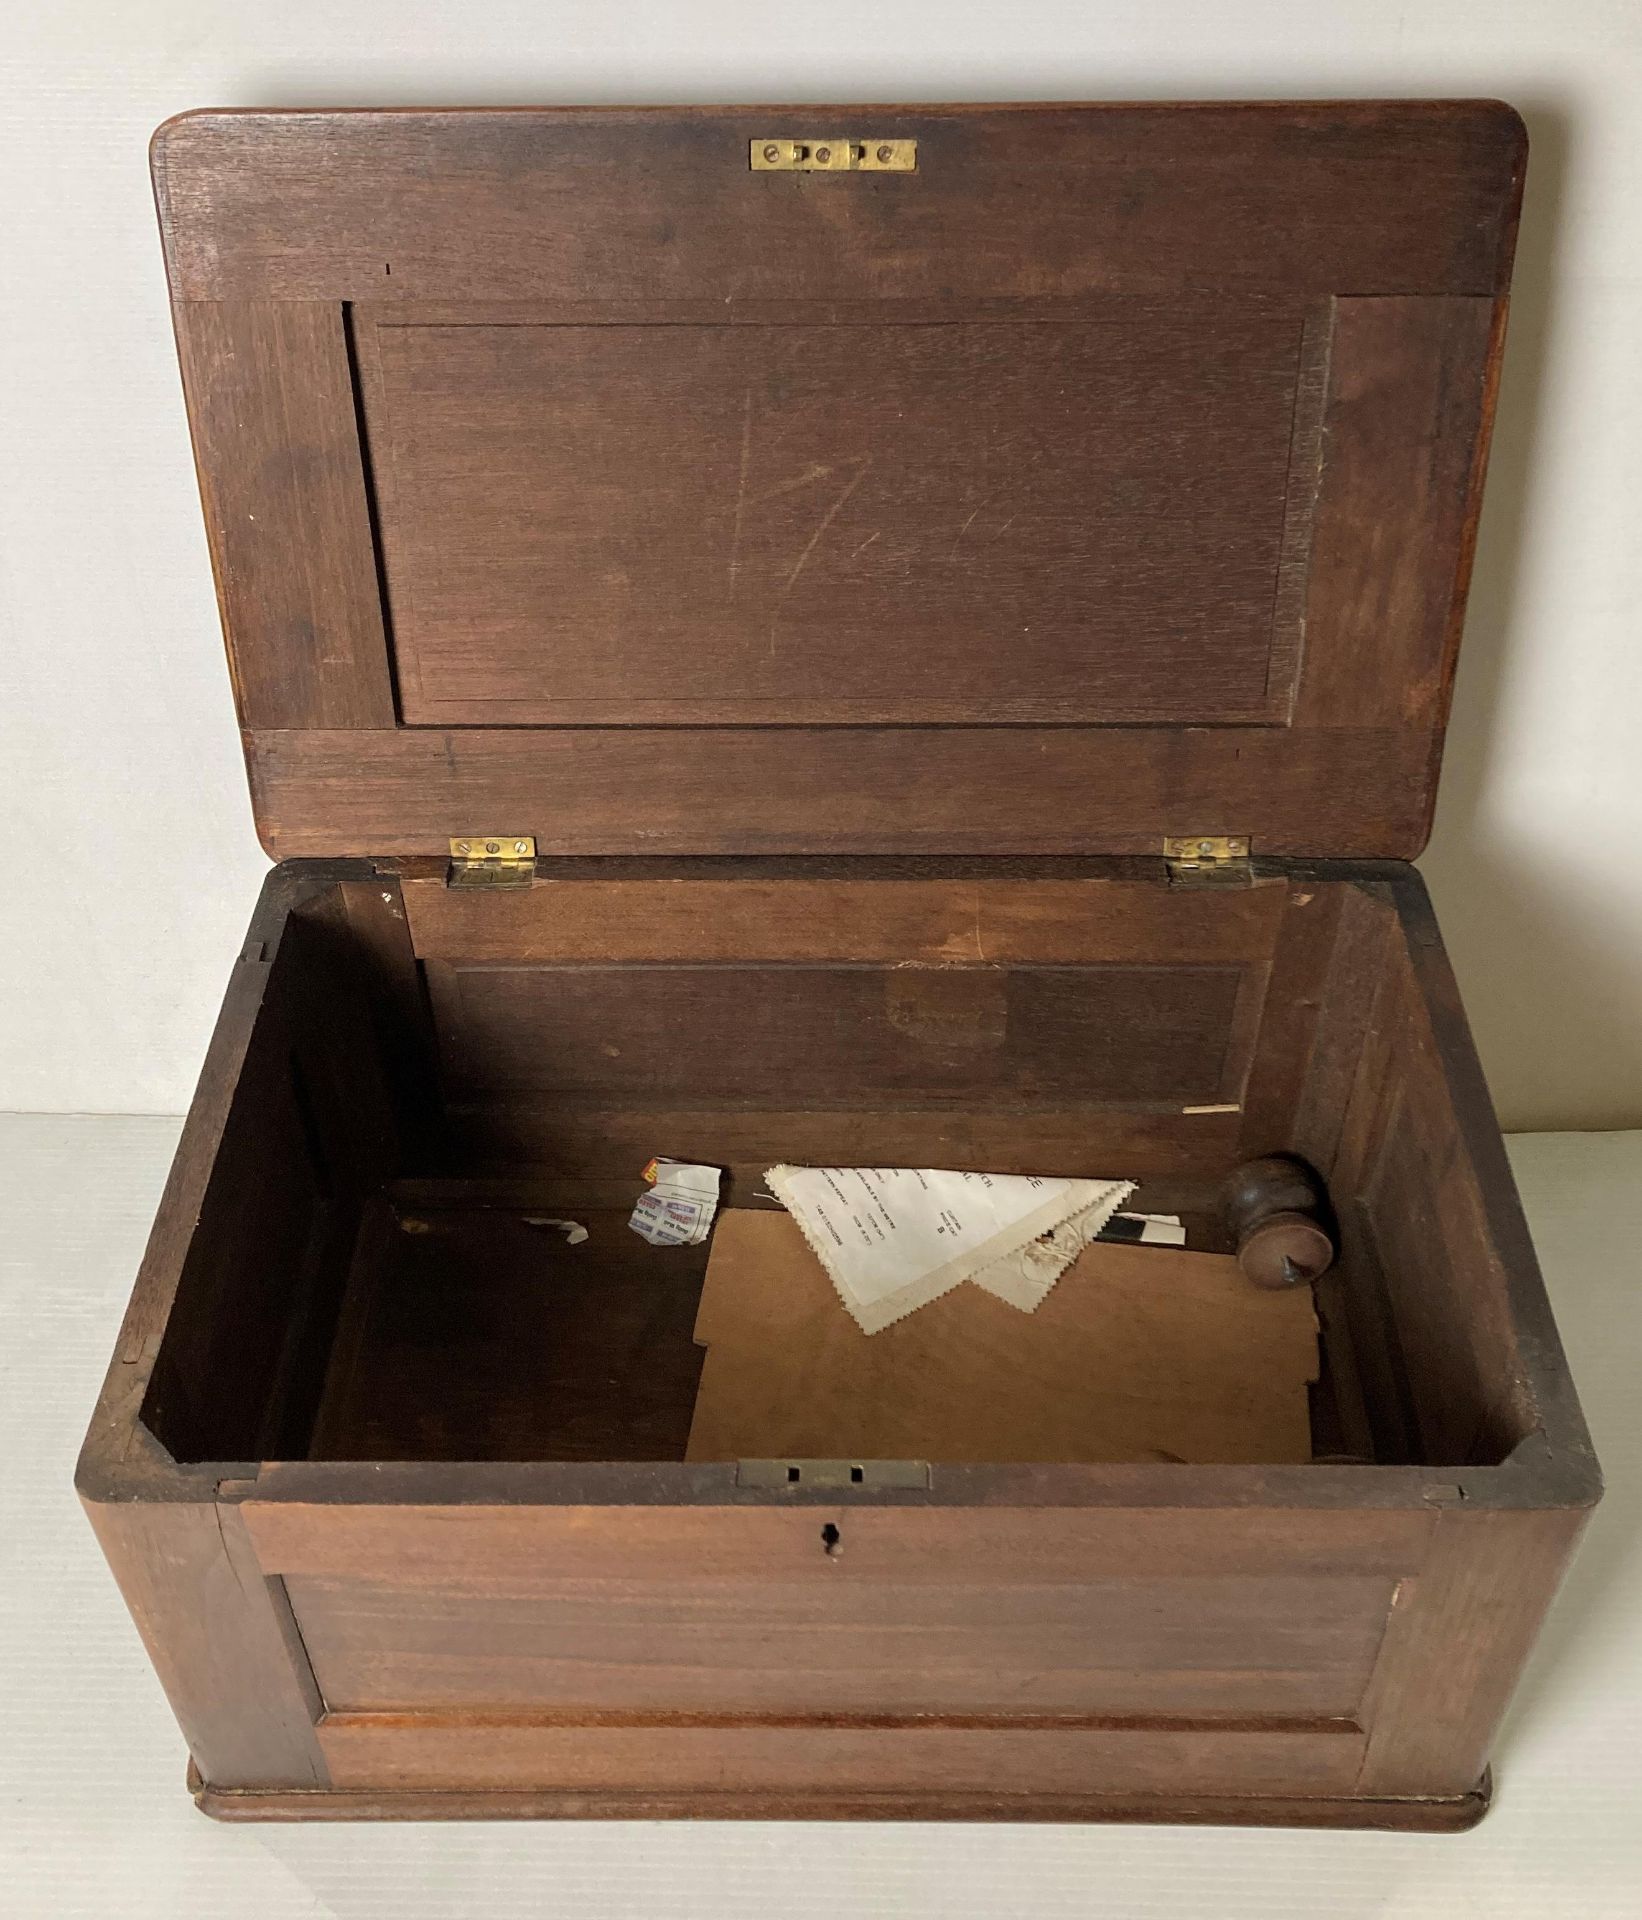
(1096, 517)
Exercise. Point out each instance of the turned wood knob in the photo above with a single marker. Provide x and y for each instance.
(1277, 1210)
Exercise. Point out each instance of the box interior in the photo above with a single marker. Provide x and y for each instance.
(436, 1073)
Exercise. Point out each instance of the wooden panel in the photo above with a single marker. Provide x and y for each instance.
(799, 524)
(1459, 1635)
(613, 203)
(422, 1544)
(470, 1334)
(808, 453)
(270, 397)
(842, 1036)
(1063, 790)
(936, 1028)
(1409, 395)
(237, 1373)
(364, 1753)
(592, 1138)
(219, 1634)
(1411, 1214)
(1345, 1006)
(370, 945)
(996, 1803)
(1156, 1647)
(615, 911)
(1559, 1446)
(262, 1232)
(1306, 939)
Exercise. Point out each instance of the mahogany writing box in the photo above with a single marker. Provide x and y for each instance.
(913, 636)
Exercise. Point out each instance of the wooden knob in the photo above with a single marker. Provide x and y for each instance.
(1276, 1208)
(1286, 1250)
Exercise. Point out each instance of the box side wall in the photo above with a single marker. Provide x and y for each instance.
(1437, 1288)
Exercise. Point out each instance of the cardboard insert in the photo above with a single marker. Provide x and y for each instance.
(1140, 1353)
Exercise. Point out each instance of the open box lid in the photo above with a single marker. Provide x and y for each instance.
(879, 480)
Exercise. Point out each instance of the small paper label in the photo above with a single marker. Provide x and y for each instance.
(678, 1210)
(1153, 1229)
(573, 1230)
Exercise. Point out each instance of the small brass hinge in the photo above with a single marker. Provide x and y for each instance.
(1208, 859)
(781, 155)
(492, 860)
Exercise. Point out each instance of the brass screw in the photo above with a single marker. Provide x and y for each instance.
(772, 153)
(521, 846)
(463, 847)
(823, 154)
(1205, 846)
(492, 847)
(886, 154)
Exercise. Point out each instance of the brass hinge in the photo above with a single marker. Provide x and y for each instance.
(1208, 859)
(492, 860)
(781, 155)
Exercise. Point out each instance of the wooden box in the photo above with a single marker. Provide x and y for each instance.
(855, 546)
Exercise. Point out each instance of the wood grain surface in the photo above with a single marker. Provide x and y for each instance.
(1114, 474)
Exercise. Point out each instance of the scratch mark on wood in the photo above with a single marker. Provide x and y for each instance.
(969, 523)
(815, 471)
(741, 489)
(222, 1537)
(827, 519)
(831, 514)
(856, 555)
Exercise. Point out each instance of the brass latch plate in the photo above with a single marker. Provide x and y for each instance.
(492, 860)
(833, 1475)
(780, 154)
(1208, 859)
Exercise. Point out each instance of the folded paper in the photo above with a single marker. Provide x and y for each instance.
(894, 1238)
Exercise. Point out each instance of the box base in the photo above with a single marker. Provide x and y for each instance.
(544, 1803)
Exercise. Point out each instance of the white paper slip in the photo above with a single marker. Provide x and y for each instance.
(575, 1234)
(894, 1238)
(678, 1210)
(1150, 1229)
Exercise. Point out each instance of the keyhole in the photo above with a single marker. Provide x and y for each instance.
(832, 1541)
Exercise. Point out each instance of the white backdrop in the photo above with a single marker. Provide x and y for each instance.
(116, 728)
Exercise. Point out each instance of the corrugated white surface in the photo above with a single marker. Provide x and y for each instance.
(94, 1819)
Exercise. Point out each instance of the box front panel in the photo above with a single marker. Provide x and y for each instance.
(632, 1647)
(832, 1644)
